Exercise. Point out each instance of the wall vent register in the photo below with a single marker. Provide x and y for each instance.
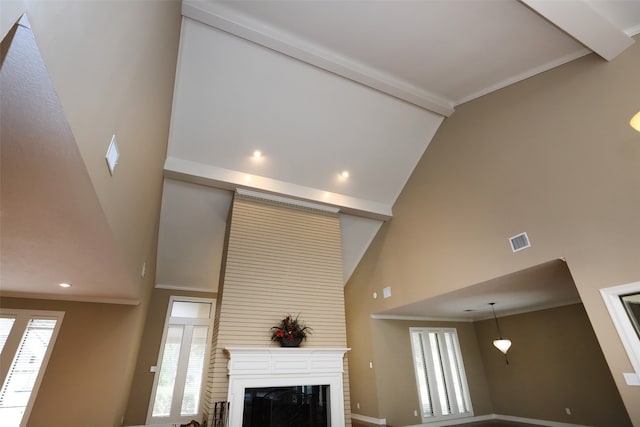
(519, 242)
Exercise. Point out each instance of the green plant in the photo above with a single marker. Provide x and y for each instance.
(290, 329)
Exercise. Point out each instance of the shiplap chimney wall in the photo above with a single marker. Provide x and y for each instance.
(280, 259)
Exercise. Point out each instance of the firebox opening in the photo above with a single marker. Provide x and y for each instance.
(294, 406)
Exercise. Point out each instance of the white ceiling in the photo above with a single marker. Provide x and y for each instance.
(539, 287)
(325, 86)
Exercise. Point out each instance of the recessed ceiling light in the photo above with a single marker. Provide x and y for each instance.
(257, 154)
(344, 174)
(65, 285)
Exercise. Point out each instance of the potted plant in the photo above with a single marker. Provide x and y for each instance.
(290, 332)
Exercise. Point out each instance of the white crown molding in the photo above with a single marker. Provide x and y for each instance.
(584, 24)
(633, 31)
(198, 173)
(171, 287)
(419, 318)
(75, 298)
(549, 306)
(488, 316)
(525, 75)
(225, 19)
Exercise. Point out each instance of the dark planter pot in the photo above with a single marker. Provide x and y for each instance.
(293, 343)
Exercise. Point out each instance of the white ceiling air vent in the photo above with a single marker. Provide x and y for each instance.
(519, 242)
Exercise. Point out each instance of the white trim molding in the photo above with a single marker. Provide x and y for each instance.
(226, 179)
(370, 420)
(488, 417)
(623, 325)
(537, 422)
(223, 18)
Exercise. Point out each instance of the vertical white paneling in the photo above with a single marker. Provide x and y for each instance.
(280, 259)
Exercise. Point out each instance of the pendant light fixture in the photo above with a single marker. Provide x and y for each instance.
(501, 344)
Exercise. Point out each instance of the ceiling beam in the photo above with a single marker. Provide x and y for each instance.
(212, 176)
(584, 24)
(221, 17)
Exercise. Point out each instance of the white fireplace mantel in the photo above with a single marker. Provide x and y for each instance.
(254, 367)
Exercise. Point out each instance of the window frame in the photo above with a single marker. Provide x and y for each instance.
(432, 390)
(184, 321)
(12, 345)
(624, 327)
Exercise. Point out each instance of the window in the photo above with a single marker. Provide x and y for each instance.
(177, 387)
(619, 300)
(26, 342)
(440, 377)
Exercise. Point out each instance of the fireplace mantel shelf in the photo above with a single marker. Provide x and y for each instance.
(260, 361)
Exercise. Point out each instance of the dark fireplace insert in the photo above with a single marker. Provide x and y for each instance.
(294, 406)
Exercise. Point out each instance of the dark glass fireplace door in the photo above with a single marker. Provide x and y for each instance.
(296, 406)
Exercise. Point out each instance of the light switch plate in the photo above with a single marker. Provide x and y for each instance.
(386, 292)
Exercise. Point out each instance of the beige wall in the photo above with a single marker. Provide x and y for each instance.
(555, 362)
(140, 394)
(280, 260)
(88, 375)
(112, 65)
(396, 380)
(552, 155)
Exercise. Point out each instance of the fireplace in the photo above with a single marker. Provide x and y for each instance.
(300, 406)
(275, 387)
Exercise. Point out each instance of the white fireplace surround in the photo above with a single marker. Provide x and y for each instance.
(255, 367)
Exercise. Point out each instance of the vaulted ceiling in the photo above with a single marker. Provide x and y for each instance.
(322, 87)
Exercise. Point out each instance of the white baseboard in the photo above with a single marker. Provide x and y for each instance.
(456, 421)
(497, 417)
(371, 420)
(538, 422)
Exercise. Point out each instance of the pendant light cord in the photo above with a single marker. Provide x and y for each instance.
(496, 319)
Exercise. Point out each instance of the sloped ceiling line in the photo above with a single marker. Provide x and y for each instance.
(222, 18)
(581, 22)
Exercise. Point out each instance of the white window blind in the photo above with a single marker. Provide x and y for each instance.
(193, 382)
(5, 326)
(168, 370)
(440, 378)
(26, 340)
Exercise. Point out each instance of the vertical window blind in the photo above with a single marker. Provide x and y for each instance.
(440, 378)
